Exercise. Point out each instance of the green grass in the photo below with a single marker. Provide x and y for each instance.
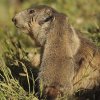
(17, 76)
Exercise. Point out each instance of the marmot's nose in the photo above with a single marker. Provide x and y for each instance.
(14, 20)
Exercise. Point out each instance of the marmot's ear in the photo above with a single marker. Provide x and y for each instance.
(67, 18)
(47, 17)
(49, 12)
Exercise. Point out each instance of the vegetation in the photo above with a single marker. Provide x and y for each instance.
(17, 75)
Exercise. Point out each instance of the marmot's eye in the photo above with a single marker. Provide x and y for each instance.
(31, 11)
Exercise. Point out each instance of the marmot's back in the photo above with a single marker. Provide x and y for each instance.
(88, 59)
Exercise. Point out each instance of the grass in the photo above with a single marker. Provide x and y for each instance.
(17, 81)
(17, 74)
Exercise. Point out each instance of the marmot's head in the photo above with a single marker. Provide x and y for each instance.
(40, 21)
(43, 23)
(37, 21)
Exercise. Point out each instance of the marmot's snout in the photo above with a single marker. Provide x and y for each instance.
(14, 20)
(21, 21)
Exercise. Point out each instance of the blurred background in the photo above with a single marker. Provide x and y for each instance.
(84, 15)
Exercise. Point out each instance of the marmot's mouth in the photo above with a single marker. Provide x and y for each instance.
(23, 28)
(20, 27)
(17, 26)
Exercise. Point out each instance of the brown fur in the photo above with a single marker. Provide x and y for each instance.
(69, 61)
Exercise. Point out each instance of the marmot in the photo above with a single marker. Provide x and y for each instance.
(69, 61)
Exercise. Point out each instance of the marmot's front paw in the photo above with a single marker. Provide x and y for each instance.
(34, 57)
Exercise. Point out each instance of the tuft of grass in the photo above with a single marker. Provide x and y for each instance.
(17, 81)
(10, 88)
